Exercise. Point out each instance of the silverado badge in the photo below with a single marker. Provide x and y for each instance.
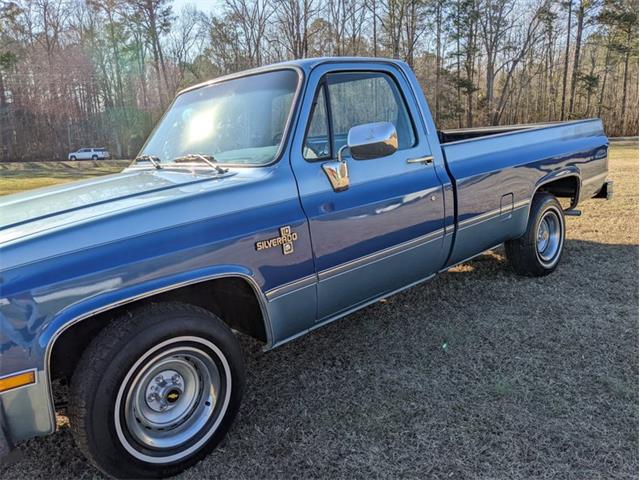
(286, 239)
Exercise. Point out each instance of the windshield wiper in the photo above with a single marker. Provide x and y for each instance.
(208, 159)
(155, 161)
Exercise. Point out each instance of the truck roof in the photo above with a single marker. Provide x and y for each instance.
(305, 64)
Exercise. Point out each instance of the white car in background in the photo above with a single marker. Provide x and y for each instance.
(89, 154)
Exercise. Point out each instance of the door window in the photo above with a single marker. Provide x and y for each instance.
(358, 98)
(316, 143)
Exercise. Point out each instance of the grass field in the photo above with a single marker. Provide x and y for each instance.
(478, 374)
(16, 177)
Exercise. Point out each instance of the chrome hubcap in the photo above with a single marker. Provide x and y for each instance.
(172, 398)
(164, 392)
(549, 235)
(172, 401)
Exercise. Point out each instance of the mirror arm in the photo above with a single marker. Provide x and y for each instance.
(340, 153)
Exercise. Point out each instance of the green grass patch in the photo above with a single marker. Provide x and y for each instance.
(18, 177)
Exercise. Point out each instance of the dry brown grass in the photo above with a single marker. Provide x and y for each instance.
(477, 374)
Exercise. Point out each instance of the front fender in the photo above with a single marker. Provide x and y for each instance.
(115, 298)
(32, 409)
(34, 319)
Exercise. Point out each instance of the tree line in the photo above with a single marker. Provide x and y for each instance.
(77, 73)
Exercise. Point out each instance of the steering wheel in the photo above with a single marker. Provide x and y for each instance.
(320, 150)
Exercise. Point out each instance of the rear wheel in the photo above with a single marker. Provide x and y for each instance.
(156, 391)
(538, 251)
(94, 157)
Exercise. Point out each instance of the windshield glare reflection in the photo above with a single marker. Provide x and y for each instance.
(240, 121)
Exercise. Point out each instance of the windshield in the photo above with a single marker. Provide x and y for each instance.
(240, 121)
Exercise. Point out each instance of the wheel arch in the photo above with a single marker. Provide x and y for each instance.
(563, 183)
(234, 296)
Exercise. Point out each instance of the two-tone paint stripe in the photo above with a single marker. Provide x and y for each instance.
(328, 273)
(490, 215)
(371, 258)
(380, 254)
(291, 287)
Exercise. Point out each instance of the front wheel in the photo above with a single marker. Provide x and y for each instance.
(156, 391)
(73, 158)
(538, 251)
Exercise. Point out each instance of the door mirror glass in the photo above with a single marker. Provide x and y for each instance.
(372, 140)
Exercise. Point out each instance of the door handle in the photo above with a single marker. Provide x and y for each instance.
(424, 160)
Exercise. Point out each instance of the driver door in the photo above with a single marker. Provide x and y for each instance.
(385, 231)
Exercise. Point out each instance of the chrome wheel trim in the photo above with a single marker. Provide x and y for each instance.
(143, 427)
(550, 237)
(172, 398)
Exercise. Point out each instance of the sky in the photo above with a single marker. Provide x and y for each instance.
(204, 5)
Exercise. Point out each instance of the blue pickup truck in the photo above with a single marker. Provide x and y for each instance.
(268, 203)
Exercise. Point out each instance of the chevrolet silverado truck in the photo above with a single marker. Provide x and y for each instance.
(266, 203)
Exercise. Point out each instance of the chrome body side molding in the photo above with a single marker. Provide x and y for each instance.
(358, 262)
(291, 287)
(470, 222)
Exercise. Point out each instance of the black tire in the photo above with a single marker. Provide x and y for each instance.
(107, 385)
(94, 157)
(526, 255)
(73, 158)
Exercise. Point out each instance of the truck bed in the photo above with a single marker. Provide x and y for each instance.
(495, 171)
(458, 134)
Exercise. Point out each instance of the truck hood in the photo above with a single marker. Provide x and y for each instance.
(28, 213)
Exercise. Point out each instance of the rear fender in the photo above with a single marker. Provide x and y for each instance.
(567, 172)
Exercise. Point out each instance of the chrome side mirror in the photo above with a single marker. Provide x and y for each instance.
(372, 140)
(367, 141)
